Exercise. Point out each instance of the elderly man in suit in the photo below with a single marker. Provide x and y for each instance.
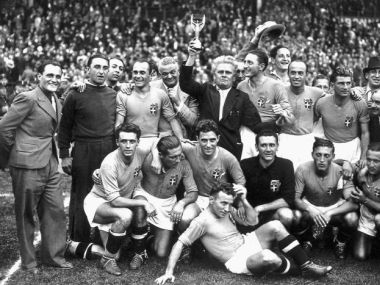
(186, 107)
(228, 107)
(27, 130)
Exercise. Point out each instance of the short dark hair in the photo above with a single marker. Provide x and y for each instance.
(375, 146)
(340, 70)
(128, 128)
(142, 60)
(167, 143)
(320, 76)
(266, 133)
(273, 51)
(205, 126)
(120, 59)
(97, 55)
(297, 60)
(262, 56)
(41, 68)
(320, 142)
(224, 187)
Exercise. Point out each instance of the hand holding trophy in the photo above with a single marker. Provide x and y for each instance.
(197, 23)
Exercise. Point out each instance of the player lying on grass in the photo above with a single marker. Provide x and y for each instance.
(241, 254)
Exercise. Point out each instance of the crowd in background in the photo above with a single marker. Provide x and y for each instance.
(317, 32)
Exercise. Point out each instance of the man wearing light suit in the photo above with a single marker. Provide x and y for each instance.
(186, 107)
(27, 130)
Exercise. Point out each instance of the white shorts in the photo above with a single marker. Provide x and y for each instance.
(367, 223)
(90, 204)
(163, 209)
(202, 202)
(248, 140)
(321, 208)
(349, 151)
(145, 143)
(297, 148)
(238, 262)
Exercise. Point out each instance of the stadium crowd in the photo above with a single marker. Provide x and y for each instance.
(196, 136)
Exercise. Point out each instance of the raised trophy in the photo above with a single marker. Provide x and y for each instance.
(197, 23)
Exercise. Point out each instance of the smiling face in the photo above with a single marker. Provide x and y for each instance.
(171, 158)
(297, 74)
(267, 148)
(98, 71)
(169, 74)
(208, 142)
(140, 74)
(282, 59)
(373, 77)
(220, 204)
(50, 79)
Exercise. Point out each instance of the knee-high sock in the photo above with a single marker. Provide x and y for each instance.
(114, 242)
(139, 235)
(83, 250)
(289, 245)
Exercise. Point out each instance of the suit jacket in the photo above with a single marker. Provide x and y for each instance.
(187, 115)
(28, 128)
(238, 110)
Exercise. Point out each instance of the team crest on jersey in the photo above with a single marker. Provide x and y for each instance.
(217, 173)
(275, 185)
(348, 121)
(330, 190)
(308, 103)
(153, 109)
(262, 101)
(173, 180)
(136, 172)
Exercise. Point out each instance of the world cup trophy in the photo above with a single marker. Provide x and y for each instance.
(197, 23)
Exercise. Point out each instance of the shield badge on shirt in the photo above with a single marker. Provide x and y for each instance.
(217, 173)
(308, 103)
(173, 180)
(275, 185)
(348, 121)
(153, 109)
(136, 172)
(262, 101)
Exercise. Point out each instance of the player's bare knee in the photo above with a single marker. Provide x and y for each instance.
(285, 216)
(297, 217)
(276, 227)
(351, 220)
(377, 221)
(264, 261)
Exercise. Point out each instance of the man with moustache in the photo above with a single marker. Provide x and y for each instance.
(186, 107)
(344, 119)
(88, 119)
(302, 98)
(28, 129)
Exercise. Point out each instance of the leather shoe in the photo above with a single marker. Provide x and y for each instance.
(65, 265)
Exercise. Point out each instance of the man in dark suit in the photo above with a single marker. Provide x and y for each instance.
(227, 106)
(28, 131)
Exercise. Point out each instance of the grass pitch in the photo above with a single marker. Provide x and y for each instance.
(201, 271)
